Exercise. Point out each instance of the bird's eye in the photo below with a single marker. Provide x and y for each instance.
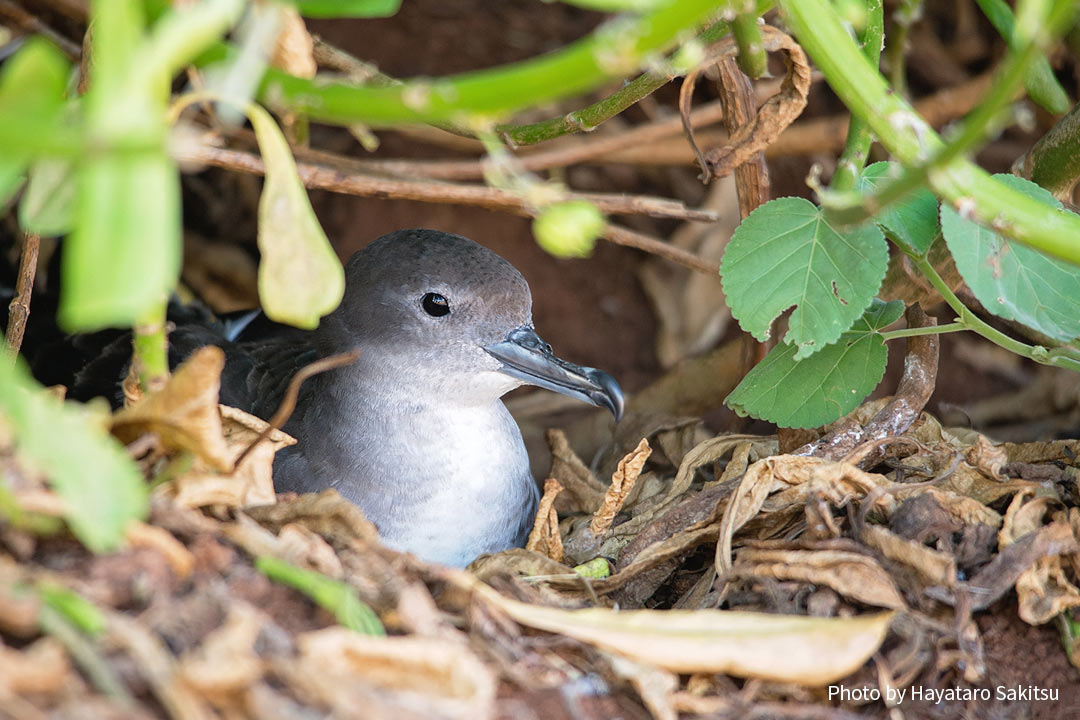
(435, 305)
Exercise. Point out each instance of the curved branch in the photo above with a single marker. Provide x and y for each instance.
(613, 49)
(343, 181)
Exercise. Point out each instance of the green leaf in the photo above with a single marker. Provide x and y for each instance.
(786, 253)
(300, 276)
(12, 176)
(32, 522)
(346, 8)
(333, 595)
(48, 205)
(1012, 280)
(73, 607)
(32, 84)
(101, 486)
(569, 229)
(124, 253)
(912, 222)
(823, 387)
(879, 316)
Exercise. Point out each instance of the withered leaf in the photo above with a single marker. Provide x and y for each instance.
(795, 475)
(432, 677)
(40, 668)
(545, 537)
(573, 474)
(248, 483)
(777, 113)
(851, 574)
(226, 661)
(622, 484)
(804, 650)
(184, 414)
(933, 567)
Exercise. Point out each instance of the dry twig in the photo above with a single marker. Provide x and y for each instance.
(737, 97)
(19, 309)
(31, 24)
(324, 178)
(292, 393)
(817, 136)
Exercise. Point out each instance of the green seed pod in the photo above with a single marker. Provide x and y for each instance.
(569, 229)
(596, 568)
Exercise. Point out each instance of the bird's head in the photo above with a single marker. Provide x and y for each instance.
(446, 315)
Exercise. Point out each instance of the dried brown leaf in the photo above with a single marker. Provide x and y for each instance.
(1000, 574)
(545, 537)
(156, 664)
(516, 562)
(773, 116)
(252, 537)
(675, 442)
(622, 484)
(566, 467)
(180, 559)
(184, 413)
(851, 574)
(934, 567)
(226, 662)
(246, 484)
(740, 460)
(792, 478)
(704, 453)
(301, 546)
(986, 457)
(655, 687)
(327, 514)
(961, 508)
(689, 306)
(1040, 452)
(803, 650)
(39, 668)
(1045, 591)
(422, 677)
(968, 482)
(294, 51)
(1024, 516)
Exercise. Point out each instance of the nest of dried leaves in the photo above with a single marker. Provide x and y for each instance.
(682, 575)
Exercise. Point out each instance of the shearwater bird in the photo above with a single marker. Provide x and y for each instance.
(415, 431)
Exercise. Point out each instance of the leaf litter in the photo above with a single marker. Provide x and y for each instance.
(722, 574)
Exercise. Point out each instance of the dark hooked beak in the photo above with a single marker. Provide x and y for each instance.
(526, 357)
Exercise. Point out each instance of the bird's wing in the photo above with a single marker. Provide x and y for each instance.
(258, 373)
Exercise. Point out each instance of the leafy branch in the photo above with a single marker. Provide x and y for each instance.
(1012, 242)
(616, 48)
(915, 144)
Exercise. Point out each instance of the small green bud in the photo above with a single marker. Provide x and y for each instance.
(569, 229)
(596, 568)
